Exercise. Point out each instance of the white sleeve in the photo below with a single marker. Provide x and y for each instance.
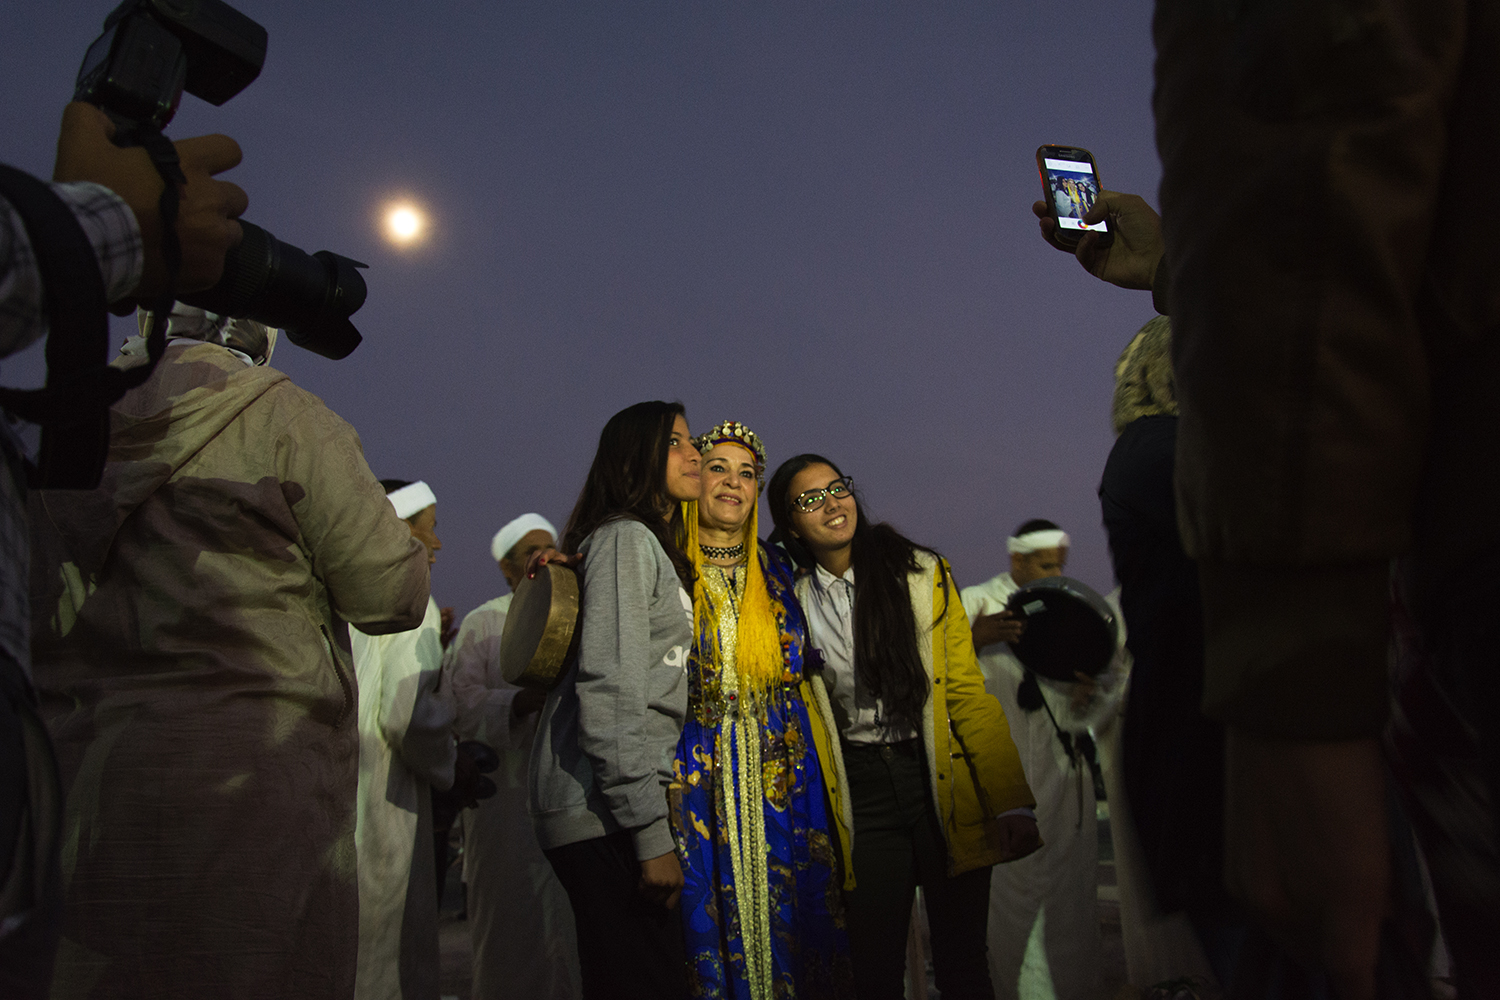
(483, 699)
(973, 604)
(1109, 686)
(416, 705)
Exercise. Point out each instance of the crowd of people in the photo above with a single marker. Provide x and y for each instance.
(739, 733)
(231, 734)
(1073, 196)
(746, 771)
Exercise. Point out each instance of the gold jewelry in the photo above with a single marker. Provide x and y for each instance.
(723, 551)
(742, 788)
(734, 432)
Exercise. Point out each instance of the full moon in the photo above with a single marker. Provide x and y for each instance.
(404, 224)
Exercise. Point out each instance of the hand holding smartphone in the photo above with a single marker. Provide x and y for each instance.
(1070, 186)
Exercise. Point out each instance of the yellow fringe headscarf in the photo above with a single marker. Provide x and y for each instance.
(751, 669)
(761, 663)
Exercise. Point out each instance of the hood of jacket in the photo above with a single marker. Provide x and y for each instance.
(155, 429)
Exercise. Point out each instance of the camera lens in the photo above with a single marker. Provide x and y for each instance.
(310, 296)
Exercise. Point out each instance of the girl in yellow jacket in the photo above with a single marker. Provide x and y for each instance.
(929, 788)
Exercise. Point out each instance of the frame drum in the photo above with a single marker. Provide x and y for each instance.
(540, 627)
(1069, 628)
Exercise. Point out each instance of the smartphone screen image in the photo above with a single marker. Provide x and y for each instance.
(1071, 184)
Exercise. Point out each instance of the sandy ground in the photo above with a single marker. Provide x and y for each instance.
(453, 945)
(456, 953)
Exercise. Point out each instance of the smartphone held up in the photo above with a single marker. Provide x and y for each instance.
(1070, 186)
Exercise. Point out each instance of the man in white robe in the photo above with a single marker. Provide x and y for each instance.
(520, 921)
(406, 749)
(1044, 938)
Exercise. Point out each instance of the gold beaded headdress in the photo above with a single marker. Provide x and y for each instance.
(734, 432)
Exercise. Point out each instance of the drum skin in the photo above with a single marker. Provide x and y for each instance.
(1070, 629)
(540, 627)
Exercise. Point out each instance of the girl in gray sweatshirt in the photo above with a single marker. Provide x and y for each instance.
(608, 731)
(604, 746)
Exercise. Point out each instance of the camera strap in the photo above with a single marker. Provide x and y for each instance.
(164, 157)
(73, 408)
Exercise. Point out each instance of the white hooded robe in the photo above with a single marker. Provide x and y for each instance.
(520, 921)
(1048, 900)
(406, 749)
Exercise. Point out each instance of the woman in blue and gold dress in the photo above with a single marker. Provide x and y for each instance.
(762, 909)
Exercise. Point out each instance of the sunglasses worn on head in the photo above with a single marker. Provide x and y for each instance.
(811, 500)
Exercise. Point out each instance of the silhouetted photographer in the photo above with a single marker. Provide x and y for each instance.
(96, 234)
(130, 218)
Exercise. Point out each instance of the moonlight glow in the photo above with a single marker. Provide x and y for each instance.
(405, 224)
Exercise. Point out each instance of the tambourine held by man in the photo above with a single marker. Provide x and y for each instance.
(541, 627)
(1070, 629)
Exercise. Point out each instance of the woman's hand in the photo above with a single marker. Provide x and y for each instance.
(1013, 835)
(661, 880)
(542, 557)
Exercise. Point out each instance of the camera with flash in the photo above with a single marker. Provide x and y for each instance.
(152, 51)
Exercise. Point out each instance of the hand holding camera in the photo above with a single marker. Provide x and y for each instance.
(207, 211)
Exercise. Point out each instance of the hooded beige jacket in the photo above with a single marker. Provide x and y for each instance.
(192, 655)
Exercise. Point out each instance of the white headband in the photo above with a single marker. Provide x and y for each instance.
(408, 500)
(1035, 541)
(507, 537)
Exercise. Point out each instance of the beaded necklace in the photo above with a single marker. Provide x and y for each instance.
(723, 551)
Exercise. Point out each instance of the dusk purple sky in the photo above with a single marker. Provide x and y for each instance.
(810, 217)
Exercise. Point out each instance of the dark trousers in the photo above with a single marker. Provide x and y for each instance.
(30, 823)
(1251, 101)
(1444, 743)
(627, 947)
(898, 845)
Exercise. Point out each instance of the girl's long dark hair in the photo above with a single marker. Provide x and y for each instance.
(887, 659)
(628, 480)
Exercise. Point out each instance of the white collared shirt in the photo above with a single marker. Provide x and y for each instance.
(830, 626)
